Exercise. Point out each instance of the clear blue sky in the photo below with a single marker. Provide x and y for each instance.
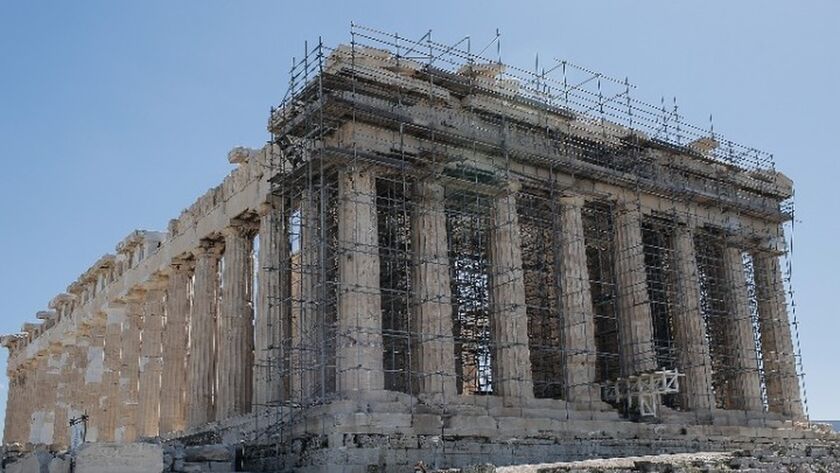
(116, 115)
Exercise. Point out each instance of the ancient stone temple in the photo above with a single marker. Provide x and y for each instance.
(437, 258)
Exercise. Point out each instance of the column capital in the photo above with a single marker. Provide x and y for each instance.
(769, 246)
(625, 206)
(264, 208)
(156, 282)
(272, 202)
(238, 229)
(430, 188)
(571, 200)
(510, 186)
(135, 294)
(207, 247)
(182, 264)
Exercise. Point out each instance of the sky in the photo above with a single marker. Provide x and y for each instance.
(117, 115)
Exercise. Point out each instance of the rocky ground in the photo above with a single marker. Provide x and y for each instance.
(817, 457)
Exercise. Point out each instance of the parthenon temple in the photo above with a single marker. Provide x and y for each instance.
(437, 257)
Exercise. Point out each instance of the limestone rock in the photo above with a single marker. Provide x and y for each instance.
(208, 453)
(119, 458)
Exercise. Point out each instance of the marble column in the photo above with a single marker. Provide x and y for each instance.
(271, 375)
(35, 399)
(693, 358)
(307, 359)
(80, 353)
(511, 359)
(635, 325)
(15, 393)
(29, 398)
(11, 430)
(359, 351)
(64, 396)
(175, 336)
(577, 318)
(202, 356)
(776, 341)
(151, 362)
(431, 317)
(236, 338)
(96, 381)
(745, 385)
(130, 367)
(54, 432)
(109, 402)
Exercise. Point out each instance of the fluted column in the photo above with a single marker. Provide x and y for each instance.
(776, 341)
(511, 362)
(307, 360)
(53, 410)
(79, 403)
(359, 353)
(151, 366)
(11, 430)
(273, 323)
(29, 399)
(202, 357)
(95, 381)
(433, 348)
(130, 368)
(693, 358)
(635, 325)
(110, 396)
(35, 400)
(64, 396)
(745, 389)
(576, 312)
(236, 338)
(174, 350)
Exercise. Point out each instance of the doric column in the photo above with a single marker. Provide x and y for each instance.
(433, 351)
(29, 399)
(174, 376)
(745, 390)
(635, 326)
(11, 427)
(16, 391)
(110, 396)
(79, 403)
(95, 381)
(776, 341)
(306, 361)
(48, 394)
(271, 376)
(236, 337)
(577, 319)
(202, 358)
(359, 352)
(692, 347)
(130, 368)
(151, 363)
(35, 399)
(64, 396)
(511, 360)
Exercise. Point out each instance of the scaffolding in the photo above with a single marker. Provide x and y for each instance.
(384, 101)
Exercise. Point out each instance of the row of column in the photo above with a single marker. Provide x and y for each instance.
(139, 377)
(359, 340)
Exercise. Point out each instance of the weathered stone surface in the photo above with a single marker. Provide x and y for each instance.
(354, 286)
(60, 465)
(508, 316)
(35, 462)
(208, 453)
(119, 458)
